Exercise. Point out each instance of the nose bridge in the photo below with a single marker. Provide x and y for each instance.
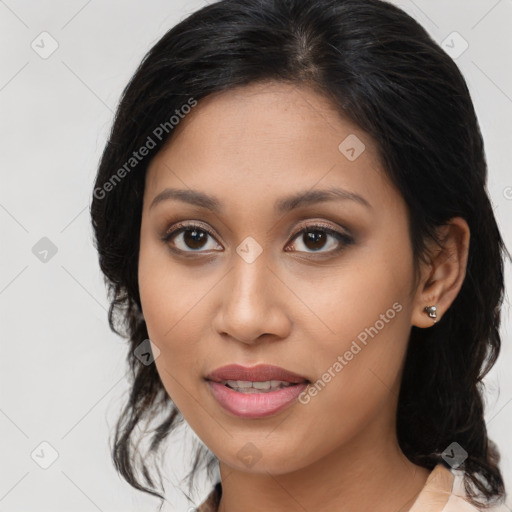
(251, 305)
(250, 272)
(250, 292)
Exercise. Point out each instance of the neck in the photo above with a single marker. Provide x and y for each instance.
(361, 475)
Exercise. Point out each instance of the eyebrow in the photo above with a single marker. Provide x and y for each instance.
(286, 204)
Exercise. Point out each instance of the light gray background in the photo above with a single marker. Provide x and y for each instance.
(62, 370)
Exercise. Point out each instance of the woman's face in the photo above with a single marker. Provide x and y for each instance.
(265, 279)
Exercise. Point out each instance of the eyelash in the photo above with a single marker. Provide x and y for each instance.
(342, 238)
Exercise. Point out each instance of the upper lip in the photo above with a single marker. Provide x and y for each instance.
(258, 373)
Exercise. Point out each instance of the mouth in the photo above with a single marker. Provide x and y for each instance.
(247, 386)
(263, 377)
(256, 391)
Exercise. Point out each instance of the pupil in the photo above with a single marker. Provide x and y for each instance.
(195, 238)
(312, 239)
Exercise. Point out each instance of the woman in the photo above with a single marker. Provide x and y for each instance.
(292, 208)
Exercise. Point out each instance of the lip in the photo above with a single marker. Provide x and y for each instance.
(258, 373)
(259, 404)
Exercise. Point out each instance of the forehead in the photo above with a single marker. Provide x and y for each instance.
(262, 138)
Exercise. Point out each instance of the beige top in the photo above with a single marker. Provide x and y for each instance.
(443, 492)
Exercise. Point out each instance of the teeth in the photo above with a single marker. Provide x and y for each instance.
(240, 383)
(251, 387)
(261, 385)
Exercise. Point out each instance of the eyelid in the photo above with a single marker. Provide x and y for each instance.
(189, 225)
(180, 227)
(313, 224)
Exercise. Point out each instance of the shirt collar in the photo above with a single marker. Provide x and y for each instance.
(436, 492)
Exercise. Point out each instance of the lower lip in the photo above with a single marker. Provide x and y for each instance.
(255, 405)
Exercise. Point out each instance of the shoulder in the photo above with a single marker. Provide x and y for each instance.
(458, 500)
(444, 491)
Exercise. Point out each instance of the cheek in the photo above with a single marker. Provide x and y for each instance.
(348, 300)
(165, 291)
(359, 357)
(169, 315)
(357, 384)
(169, 304)
(169, 322)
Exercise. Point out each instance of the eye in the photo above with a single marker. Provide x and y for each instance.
(190, 238)
(316, 238)
(320, 238)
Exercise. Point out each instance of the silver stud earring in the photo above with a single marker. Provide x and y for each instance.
(431, 312)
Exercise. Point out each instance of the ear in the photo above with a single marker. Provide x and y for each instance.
(442, 277)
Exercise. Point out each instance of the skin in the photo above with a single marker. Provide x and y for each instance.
(297, 306)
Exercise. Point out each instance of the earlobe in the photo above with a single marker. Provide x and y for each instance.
(444, 275)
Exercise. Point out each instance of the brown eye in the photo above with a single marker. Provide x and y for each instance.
(190, 238)
(194, 238)
(316, 238)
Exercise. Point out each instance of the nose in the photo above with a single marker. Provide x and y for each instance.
(252, 303)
